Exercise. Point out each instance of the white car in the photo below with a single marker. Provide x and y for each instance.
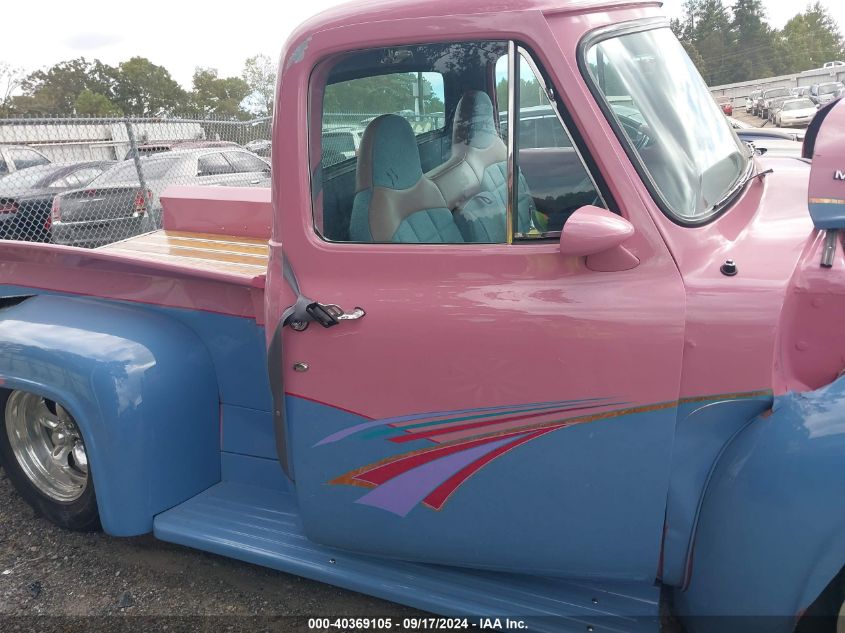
(826, 92)
(833, 64)
(748, 132)
(795, 112)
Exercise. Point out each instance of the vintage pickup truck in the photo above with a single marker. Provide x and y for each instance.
(567, 351)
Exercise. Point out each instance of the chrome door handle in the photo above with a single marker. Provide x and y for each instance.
(326, 314)
(338, 313)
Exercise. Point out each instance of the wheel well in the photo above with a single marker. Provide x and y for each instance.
(821, 615)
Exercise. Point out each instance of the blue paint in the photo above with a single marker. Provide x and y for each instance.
(55, 361)
(236, 345)
(584, 501)
(771, 534)
(263, 527)
(140, 385)
(828, 215)
(249, 432)
(254, 471)
(703, 429)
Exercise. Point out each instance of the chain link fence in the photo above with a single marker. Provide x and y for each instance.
(92, 181)
(89, 182)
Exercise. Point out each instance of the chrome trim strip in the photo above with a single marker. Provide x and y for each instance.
(513, 136)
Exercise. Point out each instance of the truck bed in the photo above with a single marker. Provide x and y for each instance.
(232, 254)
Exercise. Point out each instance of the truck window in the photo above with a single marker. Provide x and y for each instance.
(550, 168)
(421, 156)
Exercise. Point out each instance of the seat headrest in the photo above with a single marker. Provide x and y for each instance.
(388, 156)
(475, 123)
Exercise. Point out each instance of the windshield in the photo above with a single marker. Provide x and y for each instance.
(777, 92)
(828, 89)
(684, 144)
(799, 105)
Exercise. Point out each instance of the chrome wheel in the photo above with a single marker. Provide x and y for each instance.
(47, 445)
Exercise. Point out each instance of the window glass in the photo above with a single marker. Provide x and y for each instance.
(552, 177)
(421, 156)
(687, 151)
(126, 173)
(23, 158)
(385, 141)
(246, 162)
(4, 169)
(213, 165)
(67, 181)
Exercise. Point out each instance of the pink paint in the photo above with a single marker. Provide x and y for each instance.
(591, 230)
(241, 211)
(461, 326)
(102, 274)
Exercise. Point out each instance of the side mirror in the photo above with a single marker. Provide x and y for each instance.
(591, 230)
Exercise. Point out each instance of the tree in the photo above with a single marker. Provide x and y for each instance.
(10, 80)
(712, 38)
(810, 39)
(260, 75)
(54, 91)
(380, 94)
(145, 89)
(215, 96)
(755, 42)
(95, 104)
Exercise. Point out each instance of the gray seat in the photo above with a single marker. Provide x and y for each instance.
(474, 180)
(394, 200)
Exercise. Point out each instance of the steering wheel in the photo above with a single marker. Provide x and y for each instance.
(637, 131)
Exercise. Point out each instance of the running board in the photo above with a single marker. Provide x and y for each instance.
(262, 526)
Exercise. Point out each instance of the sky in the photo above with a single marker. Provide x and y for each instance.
(183, 35)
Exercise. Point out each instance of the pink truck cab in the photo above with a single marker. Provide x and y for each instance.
(552, 344)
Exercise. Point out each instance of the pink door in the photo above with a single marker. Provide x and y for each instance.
(499, 405)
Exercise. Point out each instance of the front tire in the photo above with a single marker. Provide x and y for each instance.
(43, 452)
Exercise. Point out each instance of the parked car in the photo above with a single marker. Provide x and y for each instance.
(775, 105)
(833, 64)
(727, 106)
(801, 91)
(796, 112)
(750, 101)
(261, 147)
(27, 196)
(746, 131)
(15, 157)
(156, 147)
(825, 92)
(767, 97)
(115, 205)
(341, 142)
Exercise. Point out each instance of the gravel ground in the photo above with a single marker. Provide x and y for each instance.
(47, 571)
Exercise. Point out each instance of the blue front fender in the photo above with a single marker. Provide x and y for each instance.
(140, 385)
(771, 533)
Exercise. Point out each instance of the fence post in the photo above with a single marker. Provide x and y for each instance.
(133, 147)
